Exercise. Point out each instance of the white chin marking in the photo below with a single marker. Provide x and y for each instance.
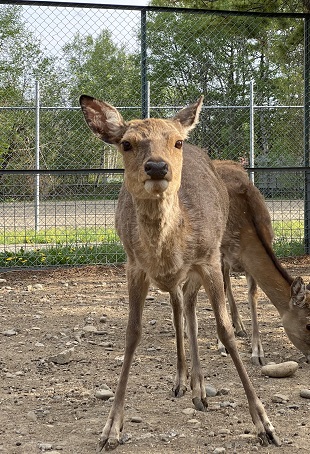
(155, 187)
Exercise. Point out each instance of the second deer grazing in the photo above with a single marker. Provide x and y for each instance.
(171, 216)
(247, 246)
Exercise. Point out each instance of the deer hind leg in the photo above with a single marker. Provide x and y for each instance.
(190, 290)
(213, 283)
(138, 286)
(258, 356)
(176, 300)
(235, 315)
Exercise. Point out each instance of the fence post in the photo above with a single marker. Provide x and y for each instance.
(307, 132)
(144, 84)
(37, 158)
(252, 157)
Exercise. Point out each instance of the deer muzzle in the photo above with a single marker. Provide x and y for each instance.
(157, 183)
(157, 170)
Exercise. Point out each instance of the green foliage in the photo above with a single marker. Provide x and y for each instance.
(59, 236)
(62, 247)
(101, 254)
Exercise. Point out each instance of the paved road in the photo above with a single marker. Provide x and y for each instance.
(59, 213)
(21, 216)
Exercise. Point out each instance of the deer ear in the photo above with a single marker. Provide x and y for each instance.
(103, 119)
(298, 292)
(189, 116)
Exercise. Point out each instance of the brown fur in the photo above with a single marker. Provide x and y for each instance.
(247, 246)
(171, 225)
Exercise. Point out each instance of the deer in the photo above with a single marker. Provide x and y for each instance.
(171, 216)
(247, 247)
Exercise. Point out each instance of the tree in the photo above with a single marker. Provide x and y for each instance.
(218, 55)
(21, 63)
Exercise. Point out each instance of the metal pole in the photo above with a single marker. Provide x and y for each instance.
(37, 158)
(144, 85)
(148, 101)
(252, 157)
(307, 132)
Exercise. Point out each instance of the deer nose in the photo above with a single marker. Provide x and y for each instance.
(157, 170)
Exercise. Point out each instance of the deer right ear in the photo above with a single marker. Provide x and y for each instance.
(103, 119)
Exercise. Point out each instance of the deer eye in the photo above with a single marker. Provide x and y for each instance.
(178, 144)
(308, 326)
(126, 145)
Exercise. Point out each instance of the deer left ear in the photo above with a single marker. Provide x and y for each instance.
(189, 116)
(298, 292)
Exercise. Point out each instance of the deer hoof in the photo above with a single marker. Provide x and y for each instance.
(179, 391)
(266, 439)
(200, 404)
(241, 333)
(258, 360)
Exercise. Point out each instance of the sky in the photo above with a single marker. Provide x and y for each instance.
(55, 26)
(111, 2)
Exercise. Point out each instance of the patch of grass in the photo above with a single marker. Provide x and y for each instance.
(59, 236)
(289, 238)
(92, 246)
(102, 254)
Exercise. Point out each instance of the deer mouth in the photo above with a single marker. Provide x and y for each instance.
(156, 187)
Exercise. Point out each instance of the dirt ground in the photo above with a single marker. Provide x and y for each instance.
(50, 407)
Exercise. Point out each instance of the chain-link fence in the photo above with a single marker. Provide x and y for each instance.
(59, 184)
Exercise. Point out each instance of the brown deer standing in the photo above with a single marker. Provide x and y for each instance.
(171, 216)
(247, 246)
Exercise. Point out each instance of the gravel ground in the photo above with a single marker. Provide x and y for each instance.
(49, 400)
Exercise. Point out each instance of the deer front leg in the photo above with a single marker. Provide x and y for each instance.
(213, 283)
(138, 286)
(176, 300)
(190, 289)
(258, 355)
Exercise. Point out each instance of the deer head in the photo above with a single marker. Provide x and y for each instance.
(296, 321)
(151, 148)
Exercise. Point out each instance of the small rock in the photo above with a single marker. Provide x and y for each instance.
(124, 438)
(152, 322)
(211, 391)
(189, 411)
(39, 344)
(20, 373)
(31, 416)
(136, 419)
(219, 450)
(280, 398)
(45, 446)
(2, 281)
(223, 431)
(119, 360)
(224, 391)
(9, 332)
(38, 286)
(305, 393)
(9, 375)
(194, 422)
(103, 319)
(280, 370)
(104, 394)
(89, 329)
(63, 357)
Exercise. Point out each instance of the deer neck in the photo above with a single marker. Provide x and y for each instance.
(159, 220)
(266, 270)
